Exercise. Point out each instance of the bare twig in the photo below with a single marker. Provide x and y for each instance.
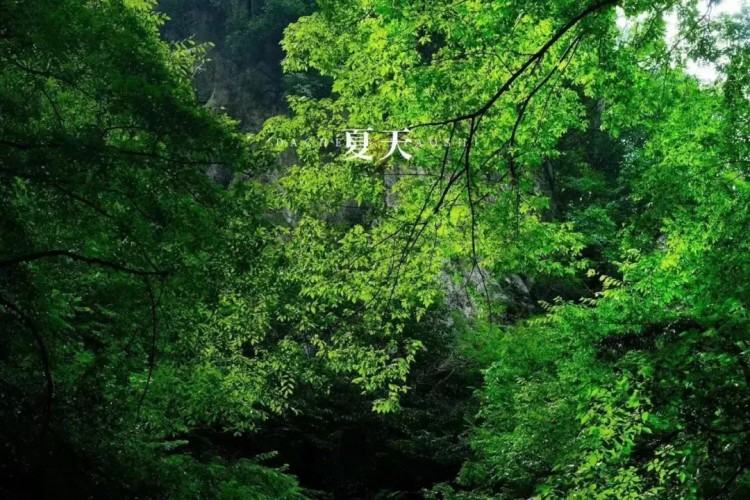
(80, 258)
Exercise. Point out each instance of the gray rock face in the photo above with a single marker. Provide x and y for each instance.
(242, 75)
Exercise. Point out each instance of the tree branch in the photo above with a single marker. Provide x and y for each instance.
(80, 258)
(43, 355)
(531, 60)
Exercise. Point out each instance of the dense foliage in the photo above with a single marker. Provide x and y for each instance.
(548, 298)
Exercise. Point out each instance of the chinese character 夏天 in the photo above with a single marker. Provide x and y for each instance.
(358, 140)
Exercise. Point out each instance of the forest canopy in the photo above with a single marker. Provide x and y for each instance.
(374, 249)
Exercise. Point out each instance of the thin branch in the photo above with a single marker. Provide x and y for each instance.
(153, 305)
(80, 258)
(529, 62)
(43, 355)
(475, 260)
